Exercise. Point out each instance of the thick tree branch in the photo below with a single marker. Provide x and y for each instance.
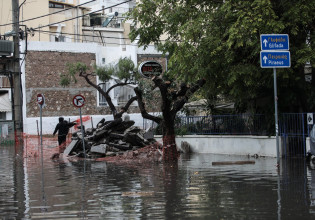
(100, 90)
(117, 85)
(179, 104)
(143, 111)
(163, 86)
(182, 91)
(126, 107)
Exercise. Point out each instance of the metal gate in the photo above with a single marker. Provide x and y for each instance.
(293, 132)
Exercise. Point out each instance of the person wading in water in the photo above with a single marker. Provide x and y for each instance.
(63, 128)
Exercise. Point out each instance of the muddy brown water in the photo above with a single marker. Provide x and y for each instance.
(191, 189)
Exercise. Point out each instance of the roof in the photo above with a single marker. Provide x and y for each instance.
(5, 103)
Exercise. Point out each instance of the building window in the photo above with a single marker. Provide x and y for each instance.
(3, 116)
(60, 39)
(55, 5)
(124, 94)
(103, 60)
(102, 100)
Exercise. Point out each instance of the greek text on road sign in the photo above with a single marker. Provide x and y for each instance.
(78, 101)
(275, 59)
(274, 41)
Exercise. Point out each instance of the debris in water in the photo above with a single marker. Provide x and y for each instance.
(233, 162)
(112, 139)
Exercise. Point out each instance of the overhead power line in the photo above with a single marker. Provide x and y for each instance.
(88, 35)
(42, 16)
(81, 15)
(82, 35)
(90, 41)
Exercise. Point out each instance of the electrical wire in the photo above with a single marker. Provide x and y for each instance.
(22, 4)
(89, 41)
(82, 35)
(30, 19)
(87, 35)
(82, 15)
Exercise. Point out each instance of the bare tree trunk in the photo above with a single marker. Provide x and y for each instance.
(169, 141)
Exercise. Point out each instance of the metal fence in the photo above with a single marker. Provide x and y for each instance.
(293, 128)
(243, 124)
(6, 133)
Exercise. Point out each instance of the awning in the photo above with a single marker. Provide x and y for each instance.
(5, 103)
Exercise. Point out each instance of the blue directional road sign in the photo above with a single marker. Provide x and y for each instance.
(275, 59)
(274, 41)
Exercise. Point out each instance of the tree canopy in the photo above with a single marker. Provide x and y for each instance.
(123, 71)
(220, 41)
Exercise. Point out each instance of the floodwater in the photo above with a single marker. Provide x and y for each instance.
(191, 189)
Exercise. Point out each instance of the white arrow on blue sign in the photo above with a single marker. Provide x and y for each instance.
(274, 41)
(275, 59)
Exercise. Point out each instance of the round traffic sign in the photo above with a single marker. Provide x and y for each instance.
(78, 101)
(149, 69)
(40, 99)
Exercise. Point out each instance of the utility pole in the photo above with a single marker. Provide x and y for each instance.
(18, 118)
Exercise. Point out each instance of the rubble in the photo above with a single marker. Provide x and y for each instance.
(110, 138)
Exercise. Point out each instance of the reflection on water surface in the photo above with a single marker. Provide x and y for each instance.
(190, 189)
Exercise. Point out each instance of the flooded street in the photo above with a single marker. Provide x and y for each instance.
(191, 189)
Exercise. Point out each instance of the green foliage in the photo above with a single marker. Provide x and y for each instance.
(65, 80)
(220, 41)
(104, 72)
(125, 68)
(122, 70)
(72, 70)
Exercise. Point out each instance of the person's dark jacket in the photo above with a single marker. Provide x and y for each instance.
(63, 128)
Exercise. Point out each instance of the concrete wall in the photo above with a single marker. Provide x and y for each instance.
(31, 125)
(41, 71)
(231, 145)
(42, 76)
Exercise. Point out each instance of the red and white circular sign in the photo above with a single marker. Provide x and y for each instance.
(78, 101)
(40, 99)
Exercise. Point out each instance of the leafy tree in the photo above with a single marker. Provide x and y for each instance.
(122, 71)
(219, 40)
(172, 99)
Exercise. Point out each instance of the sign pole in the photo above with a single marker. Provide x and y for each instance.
(82, 131)
(41, 129)
(275, 54)
(276, 112)
(79, 101)
(41, 102)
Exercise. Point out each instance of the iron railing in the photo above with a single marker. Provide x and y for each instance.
(293, 128)
(242, 124)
